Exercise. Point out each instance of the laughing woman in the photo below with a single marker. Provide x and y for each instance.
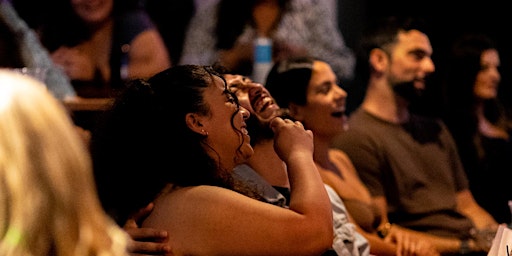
(196, 199)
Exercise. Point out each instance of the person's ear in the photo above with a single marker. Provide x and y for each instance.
(295, 111)
(194, 122)
(378, 59)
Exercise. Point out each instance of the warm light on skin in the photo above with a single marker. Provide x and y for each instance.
(324, 112)
(489, 77)
(218, 126)
(252, 96)
(411, 59)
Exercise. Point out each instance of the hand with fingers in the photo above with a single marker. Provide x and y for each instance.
(408, 244)
(290, 138)
(145, 241)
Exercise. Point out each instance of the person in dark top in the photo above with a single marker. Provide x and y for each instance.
(208, 128)
(100, 46)
(409, 162)
(225, 31)
(477, 120)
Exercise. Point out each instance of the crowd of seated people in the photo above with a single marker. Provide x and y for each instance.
(224, 30)
(208, 128)
(409, 161)
(307, 88)
(266, 170)
(136, 57)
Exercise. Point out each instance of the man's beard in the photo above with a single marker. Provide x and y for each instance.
(408, 91)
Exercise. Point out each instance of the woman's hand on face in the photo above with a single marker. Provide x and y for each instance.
(145, 241)
(291, 138)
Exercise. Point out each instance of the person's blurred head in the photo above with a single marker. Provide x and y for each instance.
(188, 108)
(473, 78)
(398, 50)
(308, 88)
(474, 67)
(48, 201)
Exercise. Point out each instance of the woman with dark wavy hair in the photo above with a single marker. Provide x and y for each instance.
(196, 200)
(478, 123)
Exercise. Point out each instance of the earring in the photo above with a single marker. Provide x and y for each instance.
(205, 133)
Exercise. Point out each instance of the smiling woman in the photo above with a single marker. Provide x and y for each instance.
(476, 117)
(308, 88)
(208, 128)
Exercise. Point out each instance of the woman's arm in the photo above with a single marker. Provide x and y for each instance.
(208, 220)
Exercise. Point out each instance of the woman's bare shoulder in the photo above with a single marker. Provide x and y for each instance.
(339, 155)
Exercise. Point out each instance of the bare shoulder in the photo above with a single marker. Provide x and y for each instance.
(202, 196)
(195, 204)
(341, 156)
(218, 212)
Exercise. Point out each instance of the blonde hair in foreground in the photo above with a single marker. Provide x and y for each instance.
(48, 200)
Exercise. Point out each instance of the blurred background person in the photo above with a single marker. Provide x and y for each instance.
(307, 88)
(266, 171)
(48, 200)
(225, 31)
(102, 43)
(478, 122)
(409, 161)
(20, 48)
(210, 132)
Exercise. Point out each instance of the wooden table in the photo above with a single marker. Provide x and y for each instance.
(87, 104)
(86, 112)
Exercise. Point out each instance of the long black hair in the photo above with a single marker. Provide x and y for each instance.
(143, 143)
(464, 65)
